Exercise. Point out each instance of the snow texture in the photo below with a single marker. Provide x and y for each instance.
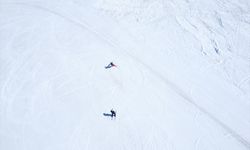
(182, 80)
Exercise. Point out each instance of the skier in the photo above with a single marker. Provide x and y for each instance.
(113, 113)
(111, 64)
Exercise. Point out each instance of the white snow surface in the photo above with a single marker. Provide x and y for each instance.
(182, 80)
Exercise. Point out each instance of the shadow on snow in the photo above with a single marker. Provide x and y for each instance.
(107, 115)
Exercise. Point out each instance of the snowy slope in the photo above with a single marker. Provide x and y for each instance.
(182, 80)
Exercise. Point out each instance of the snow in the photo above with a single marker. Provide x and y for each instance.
(182, 79)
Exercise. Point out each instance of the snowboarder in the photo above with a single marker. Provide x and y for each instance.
(113, 113)
(111, 64)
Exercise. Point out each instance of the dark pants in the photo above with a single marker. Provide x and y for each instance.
(113, 114)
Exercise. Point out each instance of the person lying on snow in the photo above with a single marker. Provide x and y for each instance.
(110, 65)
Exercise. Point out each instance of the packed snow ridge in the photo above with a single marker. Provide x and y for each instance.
(180, 77)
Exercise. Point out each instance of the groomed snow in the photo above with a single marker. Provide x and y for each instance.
(182, 80)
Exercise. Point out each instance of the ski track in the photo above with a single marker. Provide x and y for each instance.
(168, 83)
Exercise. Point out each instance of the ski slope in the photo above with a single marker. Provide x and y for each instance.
(182, 80)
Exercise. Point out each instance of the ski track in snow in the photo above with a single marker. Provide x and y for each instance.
(109, 40)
